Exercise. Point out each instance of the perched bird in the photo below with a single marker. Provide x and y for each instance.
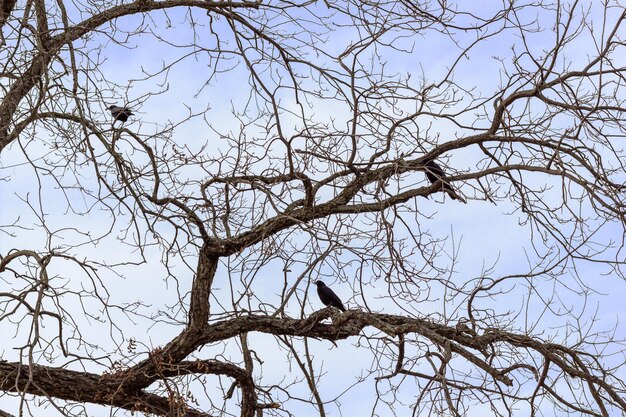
(434, 173)
(328, 296)
(120, 113)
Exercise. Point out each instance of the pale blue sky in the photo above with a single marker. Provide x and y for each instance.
(482, 233)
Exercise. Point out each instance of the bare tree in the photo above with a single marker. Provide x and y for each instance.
(164, 265)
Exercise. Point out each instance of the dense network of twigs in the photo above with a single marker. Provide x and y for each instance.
(165, 264)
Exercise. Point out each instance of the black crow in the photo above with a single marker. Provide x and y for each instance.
(434, 173)
(328, 297)
(120, 113)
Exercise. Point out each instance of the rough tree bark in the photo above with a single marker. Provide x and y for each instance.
(227, 213)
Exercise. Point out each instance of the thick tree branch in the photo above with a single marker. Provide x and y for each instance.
(39, 64)
(123, 389)
(83, 387)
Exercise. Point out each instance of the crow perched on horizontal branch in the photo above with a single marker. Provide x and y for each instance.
(434, 173)
(120, 113)
(328, 296)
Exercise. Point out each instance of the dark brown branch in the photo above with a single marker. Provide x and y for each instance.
(83, 387)
(39, 63)
(123, 389)
(6, 8)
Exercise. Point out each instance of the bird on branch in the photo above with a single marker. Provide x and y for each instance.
(435, 173)
(328, 296)
(120, 113)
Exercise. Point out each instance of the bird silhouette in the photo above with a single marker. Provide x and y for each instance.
(435, 173)
(120, 113)
(328, 296)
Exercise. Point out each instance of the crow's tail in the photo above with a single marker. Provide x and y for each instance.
(453, 195)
